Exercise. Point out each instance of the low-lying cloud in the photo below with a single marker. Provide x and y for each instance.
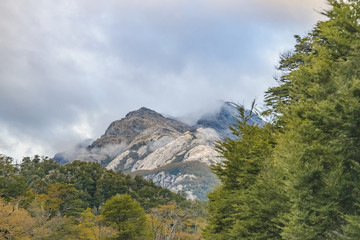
(69, 68)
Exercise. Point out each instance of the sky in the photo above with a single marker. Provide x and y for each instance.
(69, 68)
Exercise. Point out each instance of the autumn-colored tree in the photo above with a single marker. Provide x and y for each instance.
(91, 228)
(166, 222)
(15, 223)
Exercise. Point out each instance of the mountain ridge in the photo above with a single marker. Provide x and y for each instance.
(145, 141)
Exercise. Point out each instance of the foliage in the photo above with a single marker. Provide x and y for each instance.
(65, 201)
(12, 185)
(171, 222)
(245, 205)
(63, 198)
(84, 176)
(319, 146)
(127, 216)
(39, 173)
(88, 184)
(298, 177)
(166, 222)
(245, 155)
(15, 223)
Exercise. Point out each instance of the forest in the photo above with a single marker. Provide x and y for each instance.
(296, 177)
(41, 199)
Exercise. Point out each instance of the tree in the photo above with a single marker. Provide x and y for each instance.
(60, 199)
(12, 185)
(109, 184)
(221, 211)
(15, 223)
(248, 201)
(84, 177)
(127, 216)
(318, 105)
(39, 172)
(90, 227)
(166, 222)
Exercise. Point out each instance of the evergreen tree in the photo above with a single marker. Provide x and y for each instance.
(318, 106)
(307, 187)
(247, 203)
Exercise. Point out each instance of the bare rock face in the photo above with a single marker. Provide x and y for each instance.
(190, 146)
(137, 125)
(171, 153)
(194, 178)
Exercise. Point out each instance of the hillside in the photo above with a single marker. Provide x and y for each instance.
(41, 199)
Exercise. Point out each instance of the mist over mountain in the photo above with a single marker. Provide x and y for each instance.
(173, 154)
(223, 118)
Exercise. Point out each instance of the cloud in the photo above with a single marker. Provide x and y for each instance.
(69, 68)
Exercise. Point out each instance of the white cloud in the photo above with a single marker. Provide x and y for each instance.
(17, 145)
(69, 68)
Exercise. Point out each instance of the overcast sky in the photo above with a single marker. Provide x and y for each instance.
(68, 68)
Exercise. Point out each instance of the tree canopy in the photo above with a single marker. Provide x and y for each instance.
(127, 216)
(40, 199)
(302, 181)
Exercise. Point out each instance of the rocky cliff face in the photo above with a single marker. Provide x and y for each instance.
(194, 178)
(171, 153)
(156, 151)
(137, 126)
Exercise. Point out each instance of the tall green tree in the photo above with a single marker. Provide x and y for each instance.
(318, 105)
(127, 216)
(315, 156)
(247, 203)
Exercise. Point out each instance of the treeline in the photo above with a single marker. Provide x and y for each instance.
(298, 177)
(40, 199)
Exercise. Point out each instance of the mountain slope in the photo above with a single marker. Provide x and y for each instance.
(162, 149)
(194, 178)
(137, 125)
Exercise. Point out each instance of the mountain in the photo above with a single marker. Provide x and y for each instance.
(137, 125)
(223, 118)
(171, 153)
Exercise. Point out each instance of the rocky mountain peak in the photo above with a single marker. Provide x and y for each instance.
(138, 123)
(144, 113)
